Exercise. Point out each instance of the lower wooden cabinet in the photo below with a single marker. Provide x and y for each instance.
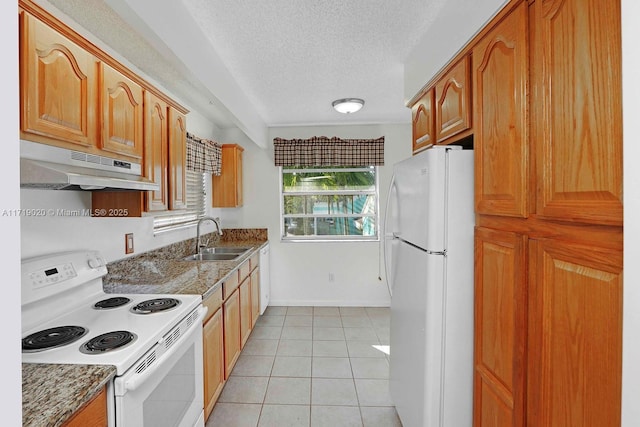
(231, 314)
(245, 311)
(213, 356)
(213, 350)
(500, 325)
(94, 414)
(236, 307)
(575, 348)
(255, 296)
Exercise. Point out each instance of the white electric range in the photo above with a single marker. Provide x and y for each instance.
(153, 340)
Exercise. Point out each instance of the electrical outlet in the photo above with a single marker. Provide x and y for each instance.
(331, 277)
(128, 243)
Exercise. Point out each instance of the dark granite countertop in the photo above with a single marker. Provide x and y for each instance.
(52, 393)
(168, 273)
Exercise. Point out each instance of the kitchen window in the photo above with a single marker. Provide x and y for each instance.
(335, 203)
(329, 188)
(196, 205)
(204, 158)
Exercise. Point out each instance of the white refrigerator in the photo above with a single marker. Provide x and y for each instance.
(429, 266)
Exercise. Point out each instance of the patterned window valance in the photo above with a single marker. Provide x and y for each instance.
(203, 155)
(324, 151)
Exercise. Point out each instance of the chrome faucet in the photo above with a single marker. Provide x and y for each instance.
(200, 221)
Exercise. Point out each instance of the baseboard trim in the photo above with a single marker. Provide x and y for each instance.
(306, 303)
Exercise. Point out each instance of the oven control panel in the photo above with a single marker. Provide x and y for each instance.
(52, 274)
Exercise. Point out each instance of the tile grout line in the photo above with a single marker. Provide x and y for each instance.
(313, 335)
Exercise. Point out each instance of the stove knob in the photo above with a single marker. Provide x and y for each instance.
(95, 262)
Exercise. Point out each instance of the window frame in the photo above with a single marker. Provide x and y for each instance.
(329, 238)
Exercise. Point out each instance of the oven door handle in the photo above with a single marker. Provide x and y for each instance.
(134, 383)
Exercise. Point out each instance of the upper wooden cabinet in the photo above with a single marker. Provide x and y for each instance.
(122, 114)
(227, 188)
(177, 160)
(500, 76)
(453, 97)
(423, 121)
(58, 87)
(578, 110)
(156, 157)
(75, 96)
(444, 109)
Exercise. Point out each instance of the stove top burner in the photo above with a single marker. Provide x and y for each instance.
(107, 342)
(155, 305)
(52, 338)
(111, 303)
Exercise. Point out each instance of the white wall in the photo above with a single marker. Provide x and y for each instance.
(457, 22)
(631, 130)
(300, 271)
(10, 385)
(62, 232)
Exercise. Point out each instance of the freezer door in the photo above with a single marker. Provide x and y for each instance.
(419, 183)
(415, 378)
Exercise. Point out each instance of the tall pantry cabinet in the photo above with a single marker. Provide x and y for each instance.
(548, 274)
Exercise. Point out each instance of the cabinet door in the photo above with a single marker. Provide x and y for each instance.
(453, 109)
(122, 114)
(213, 354)
(575, 348)
(58, 83)
(255, 296)
(500, 328)
(500, 73)
(177, 160)
(422, 114)
(245, 311)
(577, 59)
(231, 313)
(155, 157)
(227, 188)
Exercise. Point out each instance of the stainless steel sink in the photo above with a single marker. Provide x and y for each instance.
(205, 256)
(224, 250)
(218, 254)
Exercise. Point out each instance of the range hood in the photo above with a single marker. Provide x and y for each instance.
(46, 167)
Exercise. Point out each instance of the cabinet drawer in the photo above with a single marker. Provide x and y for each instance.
(213, 302)
(230, 285)
(244, 269)
(254, 261)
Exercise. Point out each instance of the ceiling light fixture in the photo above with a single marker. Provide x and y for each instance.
(347, 105)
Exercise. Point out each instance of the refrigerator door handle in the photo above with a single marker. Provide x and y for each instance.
(437, 252)
(388, 236)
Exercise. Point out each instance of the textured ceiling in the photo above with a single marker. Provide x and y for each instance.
(290, 59)
(294, 57)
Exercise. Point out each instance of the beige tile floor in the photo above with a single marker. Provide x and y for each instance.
(311, 367)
